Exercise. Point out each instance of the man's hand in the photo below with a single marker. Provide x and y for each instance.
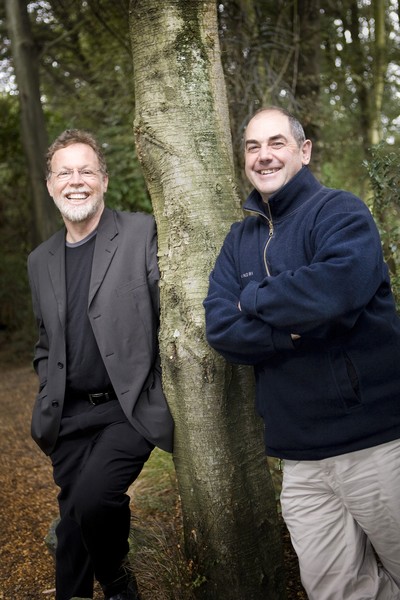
(294, 336)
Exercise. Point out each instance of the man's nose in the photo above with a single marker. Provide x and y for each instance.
(76, 177)
(264, 152)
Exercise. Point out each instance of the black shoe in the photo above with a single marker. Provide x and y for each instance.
(131, 593)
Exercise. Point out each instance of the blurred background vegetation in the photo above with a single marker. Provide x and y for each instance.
(334, 63)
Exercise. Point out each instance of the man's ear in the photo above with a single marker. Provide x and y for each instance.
(49, 187)
(105, 183)
(306, 152)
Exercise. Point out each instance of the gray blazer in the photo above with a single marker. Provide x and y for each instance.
(123, 309)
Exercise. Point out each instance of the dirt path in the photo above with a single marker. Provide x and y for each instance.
(28, 500)
(27, 494)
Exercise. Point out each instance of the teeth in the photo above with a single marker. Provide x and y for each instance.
(77, 196)
(268, 171)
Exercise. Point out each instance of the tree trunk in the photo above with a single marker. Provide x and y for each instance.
(307, 86)
(380, 64)
(183, 142)
(359, 77)
(33, 127)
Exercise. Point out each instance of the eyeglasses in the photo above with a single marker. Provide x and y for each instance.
(66, 174)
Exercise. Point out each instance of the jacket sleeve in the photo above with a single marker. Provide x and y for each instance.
(343, 275)
(238, 337)
(153, 274)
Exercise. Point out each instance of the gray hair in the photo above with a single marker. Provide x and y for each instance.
(296, 127)
(75, 136)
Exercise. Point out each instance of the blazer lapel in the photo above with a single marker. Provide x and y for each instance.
(104, 251)
(57, 274)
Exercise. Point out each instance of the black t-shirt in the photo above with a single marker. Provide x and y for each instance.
(85, 367)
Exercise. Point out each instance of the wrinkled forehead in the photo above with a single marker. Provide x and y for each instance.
(266, 125)
(75, 155)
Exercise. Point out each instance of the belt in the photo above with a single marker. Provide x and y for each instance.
(101, 397)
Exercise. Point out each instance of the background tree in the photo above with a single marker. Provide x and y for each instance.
(350, 88)
(307, 79)
(274, 51)
(15, 222)
(271, 55)
(257, 47)
(34, 134)
(73, 43)
(86, 67)
(182, 138)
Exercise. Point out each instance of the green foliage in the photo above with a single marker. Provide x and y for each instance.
(126, 190)
(342, 152)
(262, 52)
(87, 83)
(384, 173)
(13, 291)
(155, 490)
(156, 544)
(15, 225)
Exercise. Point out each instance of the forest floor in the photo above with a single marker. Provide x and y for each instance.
(28, 504)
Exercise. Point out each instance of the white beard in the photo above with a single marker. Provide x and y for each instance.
(79, 213)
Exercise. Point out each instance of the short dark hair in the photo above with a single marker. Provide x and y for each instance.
(296, 127)
(75, 136)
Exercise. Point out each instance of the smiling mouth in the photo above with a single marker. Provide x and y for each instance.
(268, 171)
(77, 196)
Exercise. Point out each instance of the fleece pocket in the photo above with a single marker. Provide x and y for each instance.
(346, 378)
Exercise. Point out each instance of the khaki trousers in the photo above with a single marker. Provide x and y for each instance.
(338, 511)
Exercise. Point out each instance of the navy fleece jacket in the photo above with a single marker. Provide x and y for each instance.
(310, 263)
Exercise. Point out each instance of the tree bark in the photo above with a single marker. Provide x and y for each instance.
(183, 142)
(33, 127)
(307, 21)
(358, 76)
(380, 64)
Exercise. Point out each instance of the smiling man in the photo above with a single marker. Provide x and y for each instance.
(100, 409)
(300, 291)
(78, 192)
(274, 153)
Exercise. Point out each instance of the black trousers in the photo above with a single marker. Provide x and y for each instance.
(97, 457)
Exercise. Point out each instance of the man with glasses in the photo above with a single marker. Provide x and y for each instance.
(100, 409)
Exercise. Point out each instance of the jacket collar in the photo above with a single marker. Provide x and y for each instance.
(107, 226)
(288, 198)
(105, 248)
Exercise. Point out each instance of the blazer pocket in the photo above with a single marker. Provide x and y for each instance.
(130, 286)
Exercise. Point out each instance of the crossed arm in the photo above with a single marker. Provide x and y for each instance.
(249, 325)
